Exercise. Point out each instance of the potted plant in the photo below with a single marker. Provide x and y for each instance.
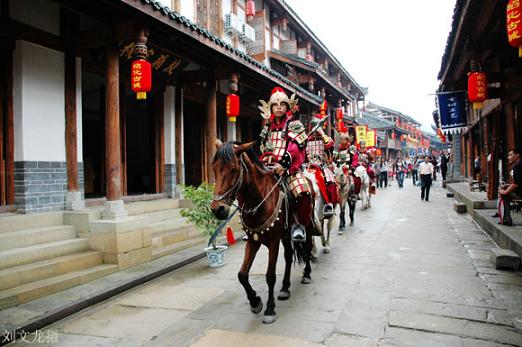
(204, 220)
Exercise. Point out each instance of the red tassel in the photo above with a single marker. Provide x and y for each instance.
(230, 236)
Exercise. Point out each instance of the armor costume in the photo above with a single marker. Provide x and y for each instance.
(283, 141)
(317, 154)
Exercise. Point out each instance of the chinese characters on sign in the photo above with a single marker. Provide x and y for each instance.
(514, 24)
(160, 61)
(452, 111)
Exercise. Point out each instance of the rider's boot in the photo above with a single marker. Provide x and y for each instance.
(304, 213)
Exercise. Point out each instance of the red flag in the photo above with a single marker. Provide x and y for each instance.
(230, 236)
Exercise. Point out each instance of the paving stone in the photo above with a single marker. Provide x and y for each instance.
(233, 339)
(505, 259)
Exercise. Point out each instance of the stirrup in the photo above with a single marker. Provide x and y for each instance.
(298, 233)
(328, 210)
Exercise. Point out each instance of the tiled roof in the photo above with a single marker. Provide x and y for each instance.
(200, 31)
(297, 58)
(375, 122)
(457, 13)
(389, 110)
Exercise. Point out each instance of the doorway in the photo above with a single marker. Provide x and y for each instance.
(193, 141)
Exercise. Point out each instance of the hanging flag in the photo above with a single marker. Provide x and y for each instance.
(452, 112)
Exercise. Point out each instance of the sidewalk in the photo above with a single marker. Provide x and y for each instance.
(480, 209)
(409, 273)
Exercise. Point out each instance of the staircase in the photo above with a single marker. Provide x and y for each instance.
(39, 255)
(170, 232)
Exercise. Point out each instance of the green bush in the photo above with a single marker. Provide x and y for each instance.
(200, 214)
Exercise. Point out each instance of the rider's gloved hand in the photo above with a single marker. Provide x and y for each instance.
(278, 169)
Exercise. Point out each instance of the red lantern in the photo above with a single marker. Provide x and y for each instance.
(141, 78)
(514, 24)
(393, 135)
(232, 107)
(339, 113)
(250, 10)
(477, 89)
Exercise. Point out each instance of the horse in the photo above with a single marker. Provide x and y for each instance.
(364, 194)
(347, 195)
(319, 217)
(266, 216)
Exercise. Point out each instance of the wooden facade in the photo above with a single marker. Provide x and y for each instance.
(478, 40)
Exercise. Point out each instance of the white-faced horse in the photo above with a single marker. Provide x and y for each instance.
(319, 218)
(347, 195)
(364, 194)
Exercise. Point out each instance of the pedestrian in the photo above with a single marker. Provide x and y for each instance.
(435, 166)
(513, 191)
(415, 171)
(399, 169)
(476, 168)
(384, 173)
(425, 171)
(443, 165)
(377, 167)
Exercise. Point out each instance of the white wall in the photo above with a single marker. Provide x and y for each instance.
(169, 102)
(187, 9)
(39, 103)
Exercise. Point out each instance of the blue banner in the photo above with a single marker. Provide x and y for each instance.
(452, 112)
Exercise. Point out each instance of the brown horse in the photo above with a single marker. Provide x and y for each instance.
(265, 215)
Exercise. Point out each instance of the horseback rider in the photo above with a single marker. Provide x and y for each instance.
(318, 152)
(282, 146)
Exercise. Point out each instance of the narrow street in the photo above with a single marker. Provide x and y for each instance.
(409, 271)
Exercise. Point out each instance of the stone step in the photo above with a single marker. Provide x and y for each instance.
(27, 255)
(24, 274)
(168, 225)
(163, 215)
(141, 207)
(35, 236)
(504, 259)
(19, 295)
(13, 222)
(179, 246)
(181, 234)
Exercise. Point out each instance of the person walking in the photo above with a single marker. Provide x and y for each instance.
(426, 171)
(399, 169)
(434, 163)
(377, 167)
(415, 170)
(443, 165)
(384, 173)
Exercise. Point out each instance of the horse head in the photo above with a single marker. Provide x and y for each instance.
(229, 171)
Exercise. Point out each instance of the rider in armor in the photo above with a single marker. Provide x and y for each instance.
(318, 152)
(282, 145)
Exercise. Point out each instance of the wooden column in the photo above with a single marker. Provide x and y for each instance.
(211, 127)
(178, 132)
(160, 141)
(69, 25)
(6, 102)
(112, 126)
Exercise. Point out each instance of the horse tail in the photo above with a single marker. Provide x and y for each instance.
(299, 249)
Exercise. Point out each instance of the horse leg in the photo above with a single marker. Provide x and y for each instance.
(342, 219)
(313, 253)
(308, 268)
(351, 206)
(269, 316)
(284, 294)
(256, 304)
(323, 238)
(329, 225)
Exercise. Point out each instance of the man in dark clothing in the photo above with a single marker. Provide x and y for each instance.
(511, 191)
(443, 165)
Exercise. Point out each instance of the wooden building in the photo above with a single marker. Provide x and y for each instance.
(478, 41)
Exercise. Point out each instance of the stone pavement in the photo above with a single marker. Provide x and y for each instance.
(409, 273)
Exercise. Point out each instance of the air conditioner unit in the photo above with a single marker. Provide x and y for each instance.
(248, 33)
(233, 24)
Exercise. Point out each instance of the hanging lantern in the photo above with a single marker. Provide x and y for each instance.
(339, 113)
(323, 108)
(514, 24)
(477, 89)
(393, 135)
(250, 10)
(141, 78)
(232, 107)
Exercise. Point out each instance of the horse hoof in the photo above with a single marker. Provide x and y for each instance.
(326, 250)
(269, 319)
(306, 280)
(283, 296)
(258, 308)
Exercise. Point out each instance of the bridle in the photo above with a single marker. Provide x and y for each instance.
(229, 196)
